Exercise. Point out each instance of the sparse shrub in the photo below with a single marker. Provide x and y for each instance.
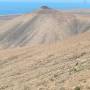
(77, 88)
(74, 69)
(62, 88)
(52, 79)
(26, 88)
(76, 64)
(42, 88)
(55, 75)
(88, 87)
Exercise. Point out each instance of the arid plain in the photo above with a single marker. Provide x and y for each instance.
(45, 50)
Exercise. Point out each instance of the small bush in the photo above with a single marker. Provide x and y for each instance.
(77, 88)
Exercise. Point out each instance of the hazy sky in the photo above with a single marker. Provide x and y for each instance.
(47, 0)
(25, 6)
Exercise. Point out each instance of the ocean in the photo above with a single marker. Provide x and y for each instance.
(28, 7)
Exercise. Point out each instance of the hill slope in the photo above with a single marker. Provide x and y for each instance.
(61, 66)
(39, 60)
(42, 26)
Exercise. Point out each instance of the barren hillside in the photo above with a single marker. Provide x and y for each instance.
(45, 50)
(41, 27)
(61, 66)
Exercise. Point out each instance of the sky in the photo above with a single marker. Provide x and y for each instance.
(28, 6)
(79, 1)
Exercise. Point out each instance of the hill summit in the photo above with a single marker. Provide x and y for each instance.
(45, 7)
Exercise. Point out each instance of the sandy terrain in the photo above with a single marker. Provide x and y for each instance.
(45, 50)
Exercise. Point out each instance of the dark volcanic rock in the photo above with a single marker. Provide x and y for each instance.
(45, 7)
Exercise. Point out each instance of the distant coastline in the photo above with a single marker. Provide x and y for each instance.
(10, 8)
